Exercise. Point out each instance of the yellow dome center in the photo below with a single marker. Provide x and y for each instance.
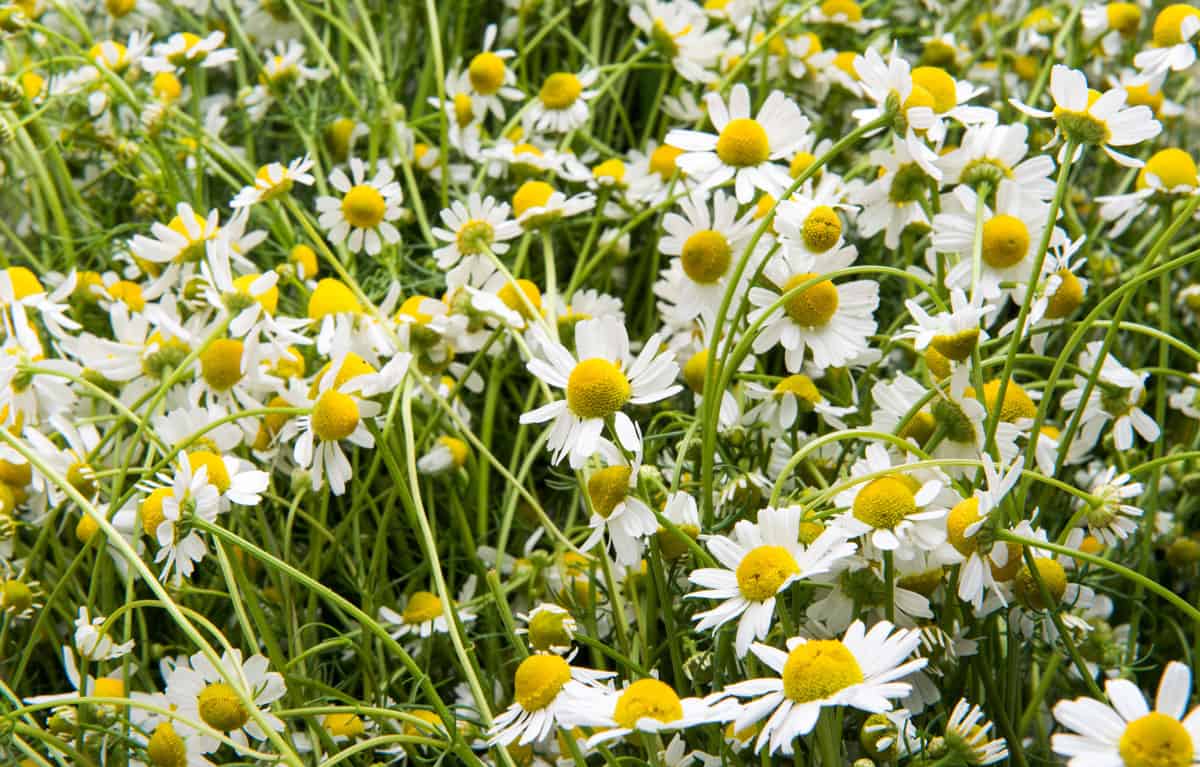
(884, 502)
(221, 708)
(218, 475)
(1168, 26)
(939, 84)
(597, 388)
(802, 388)
(508, 293)
(363, 206)
(531, 194)
(422, 606)
(560, 90)
(705, 256)
(486, 73)
(610, 170)
(335, 416)
(608, 488)
(694, 371)
(1067, 298)
(548, 628)
(847, 9)
(647, 699)
(152, 510)
(817, 669)
(964, 514)
(743, 143)
(956, 346)
(1005, 241)
(539, 679)
(1017, 403)
(822, 229)
(764, 570)
(1052, 575)
(814, 306)
(1124, 18)
(344, 725)
(1173, 168)
(662, 161)
(332, 297)
(1156, 740)
(165, 748)
(221, 363)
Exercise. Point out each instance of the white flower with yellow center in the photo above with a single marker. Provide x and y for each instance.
(362, 216)
(550, 628)
(961, 417)
(707, 248)
(1168, 174)
(1113, 519)
(758, 563)
(953, 334)
(72, 461)
(843, 13)
(1010, 234)
(1127, 732)
(832, 320)
(892, 202)
(599, 380)
(647, 706)
(184, 50)
(990, 153)
(750, 150)
(1091, 118)
(1111, 25)
(617, 510)
(546, 688)
(165, 513)
(423, 614)
(561, 104)
(896, 511)
(891, 87)
(221, 696)
(983, 565)
(679, 29)
(93, 642)
(283, 67)
(482, 224)
(185, 238)
(809, 222)
(860, 670)
(537, 204)
(794, 396)
(464, 112)
(275, 180)
(491, 79)
(1116, 398)
(1174, 41)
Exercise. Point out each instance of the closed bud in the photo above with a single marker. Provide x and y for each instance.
(10, 91)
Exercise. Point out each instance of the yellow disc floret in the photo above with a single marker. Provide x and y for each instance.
(560, 90)
(1156, 740)
(165, 748)
(607, 488)
(1053, 577)
(335, 415)
(221, 708)
(486, 73)
(743, 143)
(531, 194)
(538, 681)
(939, 85)
(332, 296)
(705, 256)
(1005, 241)
(1168, 25)
(597, 388)
(214, 466)
(821, 229)
(422, 606)
(764, 570)
(884, 502)
(647, 699)
(363, 206)
(1173, 168)
(221, 363)
(817, 669)
(814, 306)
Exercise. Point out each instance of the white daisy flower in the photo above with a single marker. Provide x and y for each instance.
(1113, 519)
(491, 78)
(617, 510)
(93, 643)
(989, 153)
(782, 405)
(707, 248)
(968, 735)
(1169, 173)
(481, 224)
(218, 695)
(1116, 398)
(598, 382)
(890, 85)
(1127, 732)
(423, 615)
(759, 562)
(892, 202)
(562, 102)
(536, 204)
(859, 671)
(748, 149)
(546, 688)
(362, 216)
(954, 334)
(983, 566)
(679, 30)
(1174, 41)
(647, 706)
(186, 237)
(274, 180)
(182, 50)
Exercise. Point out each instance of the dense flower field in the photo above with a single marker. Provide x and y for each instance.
(543, 382)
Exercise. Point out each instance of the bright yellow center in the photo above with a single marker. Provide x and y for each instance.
(474, 236)
(1067, 298)
(705, 256)
(218, 475)
(814, 306)
(268, 299)
(335, 416)
(194, 247)
(822, 229)
(1053, 576)
(560, 90)
(939, 84)
(610, 170)
(608, 488)
(458, 449)
(802, 388)
(119, 8)
(1173, 168)
(694, 371)
(1005, 241)
(918, 97)
(1141, 95)
(166, 86)
(422, 606)
(363, 206)
(597, 388)
(743, 143)
(956, 346)
(165, 748)
(531, 194)
(647, 699)
(305, 260)
(538, 681)
(510, 294)
(817, 669)
(464, 109)
(1017, 403)
(221, 363)
(801, 163)
(764, 570)
(662, 161)
(885, 502)
(486, 73)
(221, 708)
(128, 293)
(86, 528)
(16, 596)
(332, 297)
(81, 477)
(1156, 740)
(344, 725)
(1168, 26)
(1124, 18)
(848, 9)
(964, 514)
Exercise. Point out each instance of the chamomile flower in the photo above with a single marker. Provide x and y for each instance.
(749, 150)
(990, 153)
(537, 204)
(600, 379)
(892, 202)
(954, 334)
(562, 101)
(832, 320)
(1174, 41)
(362, 217)
(619, 511)
(1168, 174)
(861, 670)
(758, 563)
(184, 50)
(166, 511)
(1128, 732)
(221, 695)
(679, 30)
(1115, 398)
(423, 613)
(891, 87)
(1111, 24)
(1112, 519)
(967, 736)
(93, 643)
(185, 238)
(549, 627)
(275, 180)
(983, 563)
(472, 229)
(647, 705)
(546, 689)
(782, 405)
(491, 79)
(707, 246)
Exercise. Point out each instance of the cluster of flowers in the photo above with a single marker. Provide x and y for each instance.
(811, 405)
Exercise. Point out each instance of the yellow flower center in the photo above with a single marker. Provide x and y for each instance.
(335, 416)
(694, 371)
(1067, 298)
(531, 194)
(16, 596)
(458, 450)
(538, 681)
(939, 84)
(885, 502)
(1168, 26)
(918, 97)
(305, 260)
(474, 236)
(1052, 575)
(464, 109)
(81, 477)
(937, 362)
(422, 606)
(332, 297)
(510, 294)
(814, 306)
(957, 346)
(560, 90)
(610, 170)
(817, 669)
(221, 363)
(801, 163)
(271, 189)
(218, 475)
(221, 708)
(128, 293)
(268, 299)
(608, 488)
(165, 748)
(802, 388)
(597, 388)
(107, 687)
(672, 544)
(764, 570)
(111, 54)
(923, 583)
(166, 86)
(822, 229)
(1156, 740)
(662, 161)
(647, 699)
(705, 256)
(743, 143)
(964, 514)
(119, 8)
(1173, 168)
(193, 250)
(1141, 95)
(1017, 403)
(1124, 18)
(86, 528)
(920, 427)
(1005, 241)
(548, 628)
(152, 510)
(363, 206)
(847, 9)
(1083, 126)
(486, 73)
(344, 725)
